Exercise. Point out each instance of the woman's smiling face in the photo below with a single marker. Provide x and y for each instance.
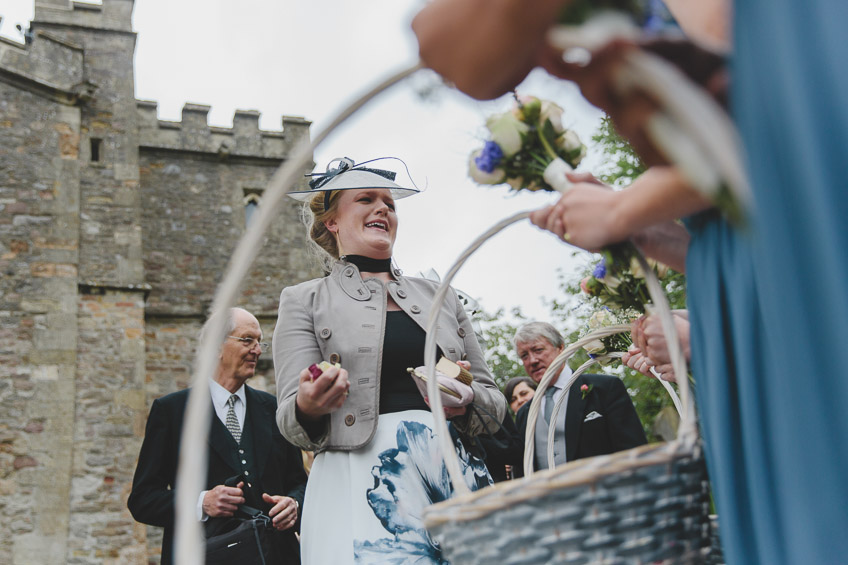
(366, 223)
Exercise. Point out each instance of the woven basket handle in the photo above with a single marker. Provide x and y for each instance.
(687, 432)
(623, 328)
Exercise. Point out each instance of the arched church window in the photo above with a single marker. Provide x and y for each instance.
(251, 203)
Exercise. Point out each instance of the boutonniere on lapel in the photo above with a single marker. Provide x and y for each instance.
(585, 390)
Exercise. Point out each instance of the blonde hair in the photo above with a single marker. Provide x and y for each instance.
(323, 242)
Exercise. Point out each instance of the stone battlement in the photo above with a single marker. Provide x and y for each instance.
(50, 64)
(194, 134)
(111, 15)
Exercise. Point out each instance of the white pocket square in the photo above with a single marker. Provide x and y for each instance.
(592, 416)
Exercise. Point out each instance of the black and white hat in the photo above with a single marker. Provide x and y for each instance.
(347, 175)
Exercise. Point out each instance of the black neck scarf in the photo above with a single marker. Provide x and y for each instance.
(369, 265)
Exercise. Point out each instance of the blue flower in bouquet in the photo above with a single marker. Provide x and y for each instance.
(600, 269)
(489, 158)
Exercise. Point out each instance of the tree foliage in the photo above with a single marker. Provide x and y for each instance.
(622, 165)
(497, 337)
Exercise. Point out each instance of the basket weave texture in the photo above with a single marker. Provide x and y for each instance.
(643, 505)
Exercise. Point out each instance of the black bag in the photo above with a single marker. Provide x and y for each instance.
(248, 544)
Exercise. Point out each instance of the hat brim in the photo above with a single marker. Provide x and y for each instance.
(356, 179)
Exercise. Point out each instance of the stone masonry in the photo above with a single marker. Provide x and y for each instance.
(115, 229)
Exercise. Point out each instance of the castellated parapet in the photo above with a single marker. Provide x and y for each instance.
(50, 65)
(111, 15)
(193, 134)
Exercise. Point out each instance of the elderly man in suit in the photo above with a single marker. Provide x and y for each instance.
(599, 417)
(244, 442)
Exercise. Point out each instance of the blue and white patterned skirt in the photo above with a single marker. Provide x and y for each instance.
(365, 506)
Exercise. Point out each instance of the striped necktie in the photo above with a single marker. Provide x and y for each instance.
(232, 421)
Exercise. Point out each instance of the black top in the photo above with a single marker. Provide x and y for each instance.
(403, 347)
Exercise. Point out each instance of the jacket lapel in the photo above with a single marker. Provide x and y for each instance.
(574, 419)
(262, 440)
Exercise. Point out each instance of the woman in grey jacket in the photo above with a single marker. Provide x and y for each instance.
(377, 464)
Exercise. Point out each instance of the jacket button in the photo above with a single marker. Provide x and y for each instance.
(326, 332)
(461, 332)
(415, 309)
(335, 358)
(348, 272)
(350, 419)
(401, 293)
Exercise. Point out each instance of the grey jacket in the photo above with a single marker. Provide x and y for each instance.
(341, 318)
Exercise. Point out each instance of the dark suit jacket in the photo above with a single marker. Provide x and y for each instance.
(505, 447)
(278, 464)
(618, 429)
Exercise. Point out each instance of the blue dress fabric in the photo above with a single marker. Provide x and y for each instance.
(769, 307)
(727, 336)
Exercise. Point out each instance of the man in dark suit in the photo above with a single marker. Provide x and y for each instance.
(599, 417)
(244, 442)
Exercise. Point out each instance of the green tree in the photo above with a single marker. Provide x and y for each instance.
(622, 165)
(497, 343)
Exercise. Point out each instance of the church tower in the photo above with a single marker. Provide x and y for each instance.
(115, 229)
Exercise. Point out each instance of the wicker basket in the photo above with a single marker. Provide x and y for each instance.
(644, 505)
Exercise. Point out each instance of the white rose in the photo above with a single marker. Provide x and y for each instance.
(507, 131)
(611, 282)
(600, 319)
(595, 347)
(495, 177)
(552, 112)
(569, 141)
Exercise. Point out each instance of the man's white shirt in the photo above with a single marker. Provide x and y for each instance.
(220, 397)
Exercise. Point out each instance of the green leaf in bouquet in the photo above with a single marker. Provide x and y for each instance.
(529, 108)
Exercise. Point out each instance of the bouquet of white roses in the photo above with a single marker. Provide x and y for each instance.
(529, 148)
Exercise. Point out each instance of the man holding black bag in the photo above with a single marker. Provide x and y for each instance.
(252, 472)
